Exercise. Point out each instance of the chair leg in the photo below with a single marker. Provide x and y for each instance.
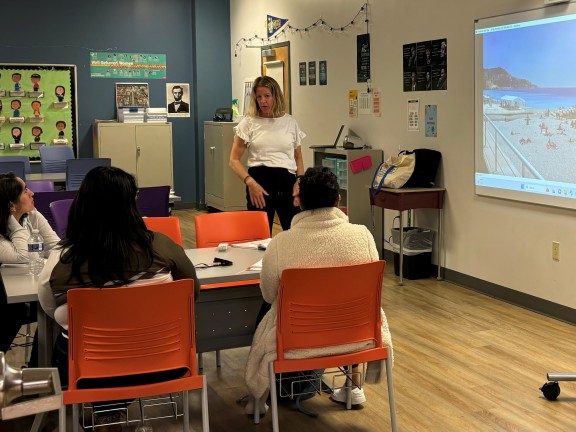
(200, 362)
(62, 418)
(38, 422)
(75, 417)
(28, 343)
(349, 385)
(256, 409)
(218, 362)
(205, 415)
(273, 398)
(186, 410)
(391, 393)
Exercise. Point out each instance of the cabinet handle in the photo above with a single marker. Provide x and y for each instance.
(212, 148)
(137, 151)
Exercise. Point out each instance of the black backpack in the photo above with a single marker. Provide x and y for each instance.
(426, 166)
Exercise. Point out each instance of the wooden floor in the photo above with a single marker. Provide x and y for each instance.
(463, 362)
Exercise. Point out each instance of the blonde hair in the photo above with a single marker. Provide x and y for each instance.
(270, 83)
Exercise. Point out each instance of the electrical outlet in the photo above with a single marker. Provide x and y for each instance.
(556, 251)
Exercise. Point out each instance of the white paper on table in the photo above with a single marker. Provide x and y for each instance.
(253, 244)
(255, 267)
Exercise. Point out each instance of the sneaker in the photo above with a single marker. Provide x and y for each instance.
(249, 409)
(339, 395)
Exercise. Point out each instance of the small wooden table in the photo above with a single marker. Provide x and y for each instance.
(411, 199)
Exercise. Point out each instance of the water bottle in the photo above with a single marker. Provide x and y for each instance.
(35, 253)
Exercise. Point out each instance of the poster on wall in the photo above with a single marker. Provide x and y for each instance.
(132, 95)
(178, 99)
(127, 65)
(302, 72)
(37, 108)
(413, 115)
(425, 65)
(312, 73)
(323, 74)
(353, 103)
(431, 120)
(362, 58)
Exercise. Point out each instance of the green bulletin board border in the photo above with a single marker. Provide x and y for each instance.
(52, 75)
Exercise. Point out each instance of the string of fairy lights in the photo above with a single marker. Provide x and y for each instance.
(320, 23)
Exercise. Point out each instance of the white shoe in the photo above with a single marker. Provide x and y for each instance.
(249, 409)
(339, 395)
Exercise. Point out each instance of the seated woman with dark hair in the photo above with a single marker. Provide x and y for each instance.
(320, 236)
(107, 244)
(18, 218)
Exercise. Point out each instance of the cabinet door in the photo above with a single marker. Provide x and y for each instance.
(213, 160)
(154, 155)
(118, 143)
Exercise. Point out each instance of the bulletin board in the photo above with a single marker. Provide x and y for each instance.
(38, 108)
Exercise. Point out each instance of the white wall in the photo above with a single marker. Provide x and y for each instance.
(503, 242)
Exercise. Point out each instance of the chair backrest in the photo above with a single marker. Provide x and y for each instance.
(53, 158)
(76, 170)
(40, 185)
(17, 167)
(109, 337)
(25, 159)
(154, 201)
(327, 306)
(59, 210)
(169, 226)
(231, 227)
(42, 202)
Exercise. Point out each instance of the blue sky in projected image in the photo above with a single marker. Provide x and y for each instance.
(543, 54)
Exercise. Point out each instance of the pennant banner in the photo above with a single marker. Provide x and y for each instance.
(274, 24)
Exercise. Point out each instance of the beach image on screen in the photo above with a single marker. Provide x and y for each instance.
(527, 129)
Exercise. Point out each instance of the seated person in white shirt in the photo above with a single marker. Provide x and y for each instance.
(17, 219)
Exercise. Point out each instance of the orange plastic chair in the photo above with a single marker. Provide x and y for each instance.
(321, 307)
(231, 227)
(110, 338)
(168, 225)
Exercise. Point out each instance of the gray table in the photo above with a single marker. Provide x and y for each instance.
(225, 316)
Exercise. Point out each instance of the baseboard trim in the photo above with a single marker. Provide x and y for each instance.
(517, 298)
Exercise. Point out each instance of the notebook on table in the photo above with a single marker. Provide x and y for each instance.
(315, 146)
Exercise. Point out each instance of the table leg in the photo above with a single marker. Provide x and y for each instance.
(401, 257)
(440, 243)
(44, 339)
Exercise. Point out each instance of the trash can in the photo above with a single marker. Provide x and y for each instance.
(417, 262)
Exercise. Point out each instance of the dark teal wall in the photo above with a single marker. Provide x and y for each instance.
(188, 32)
(213, 67)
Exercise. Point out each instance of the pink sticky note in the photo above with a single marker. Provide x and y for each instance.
(361, 164)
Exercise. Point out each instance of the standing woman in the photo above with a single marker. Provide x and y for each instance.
(272, 138)
(17, 219)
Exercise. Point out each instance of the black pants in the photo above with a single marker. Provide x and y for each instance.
(12, 317)
(278, 182)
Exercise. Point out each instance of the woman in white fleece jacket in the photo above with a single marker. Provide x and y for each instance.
(319, 236)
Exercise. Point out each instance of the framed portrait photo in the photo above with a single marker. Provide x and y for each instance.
(178, 99)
